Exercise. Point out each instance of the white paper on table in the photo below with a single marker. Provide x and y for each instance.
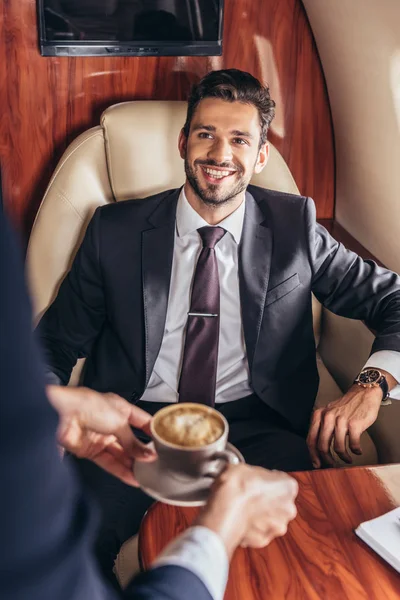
(383, 536)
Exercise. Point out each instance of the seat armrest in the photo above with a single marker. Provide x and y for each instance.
(344, 347)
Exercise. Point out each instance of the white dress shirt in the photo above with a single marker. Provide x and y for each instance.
(388, 360)
(201, 551)
(232, 369)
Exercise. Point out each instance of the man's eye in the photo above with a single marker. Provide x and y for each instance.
(240, 141)
(204, 135)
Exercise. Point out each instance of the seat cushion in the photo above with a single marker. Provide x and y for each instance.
(328, 392)
(141, 140)
(79, 185)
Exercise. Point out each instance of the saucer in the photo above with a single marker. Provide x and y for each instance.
(174, 489)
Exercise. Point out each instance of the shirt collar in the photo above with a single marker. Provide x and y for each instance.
(188, 220)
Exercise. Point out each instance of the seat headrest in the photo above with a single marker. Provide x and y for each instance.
(142, 150)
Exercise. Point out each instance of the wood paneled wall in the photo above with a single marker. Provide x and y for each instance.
(46, 102)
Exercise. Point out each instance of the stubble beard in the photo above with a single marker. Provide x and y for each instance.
(211, 195)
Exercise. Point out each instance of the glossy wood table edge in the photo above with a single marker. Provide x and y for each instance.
(320, 548)
(381, 473)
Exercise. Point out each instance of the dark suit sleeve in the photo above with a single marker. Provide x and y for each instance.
(167, 583)
(71, 324)
(352, 287)
(47, 526)
(45, 522)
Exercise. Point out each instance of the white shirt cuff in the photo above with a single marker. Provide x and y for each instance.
(388, 360)
(201, 551)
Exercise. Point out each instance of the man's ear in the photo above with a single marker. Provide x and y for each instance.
(263, 155)
(182, 144)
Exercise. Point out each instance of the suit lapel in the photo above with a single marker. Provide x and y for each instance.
(255, 253)
(157, 254)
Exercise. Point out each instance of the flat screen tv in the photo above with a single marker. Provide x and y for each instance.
(130, 27)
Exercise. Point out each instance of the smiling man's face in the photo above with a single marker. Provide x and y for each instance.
(222, 151)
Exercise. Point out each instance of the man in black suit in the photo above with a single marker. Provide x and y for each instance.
(46, 522)
(132, 303)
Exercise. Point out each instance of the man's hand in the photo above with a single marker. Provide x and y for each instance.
(97, 427)
(345, 418)
(249, 506)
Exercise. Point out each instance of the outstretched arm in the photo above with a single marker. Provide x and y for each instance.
(351, 287)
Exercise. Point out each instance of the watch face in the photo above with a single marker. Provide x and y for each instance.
(369, 376)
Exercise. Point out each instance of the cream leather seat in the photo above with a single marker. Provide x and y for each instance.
(133, 154)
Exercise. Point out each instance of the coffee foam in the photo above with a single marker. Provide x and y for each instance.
(189, 427)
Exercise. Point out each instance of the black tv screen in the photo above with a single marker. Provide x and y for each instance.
(130, 27)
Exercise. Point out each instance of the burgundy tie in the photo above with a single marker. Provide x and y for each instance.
(200, 355)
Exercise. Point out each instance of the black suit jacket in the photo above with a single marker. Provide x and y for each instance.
(46, 523)
(112, 306)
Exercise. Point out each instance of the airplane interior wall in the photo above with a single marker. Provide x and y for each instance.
(359, 46)
(45, 103)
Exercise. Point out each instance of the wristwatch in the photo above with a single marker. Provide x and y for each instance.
(369, 378)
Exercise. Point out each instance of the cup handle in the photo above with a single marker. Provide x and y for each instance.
(227, 458)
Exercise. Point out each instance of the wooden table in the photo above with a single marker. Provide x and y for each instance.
(320, 558)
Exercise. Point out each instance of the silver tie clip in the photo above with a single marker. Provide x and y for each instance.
(202, 314)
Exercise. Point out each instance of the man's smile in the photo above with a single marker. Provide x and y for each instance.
(216, 175)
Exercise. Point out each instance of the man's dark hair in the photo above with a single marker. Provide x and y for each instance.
(233, 85)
